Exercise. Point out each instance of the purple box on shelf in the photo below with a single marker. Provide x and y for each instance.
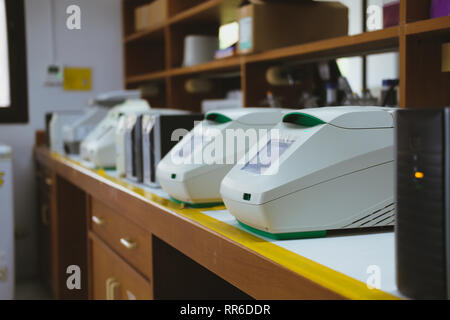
(391, 14)
(439, 8)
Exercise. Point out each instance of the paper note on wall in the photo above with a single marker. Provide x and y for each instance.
(77, 79)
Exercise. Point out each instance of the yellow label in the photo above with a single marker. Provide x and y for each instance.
(1, 178)
(77, 79)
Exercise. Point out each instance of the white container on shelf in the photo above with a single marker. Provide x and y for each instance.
(199, 49)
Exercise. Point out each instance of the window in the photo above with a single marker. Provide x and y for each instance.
(4, 61)
(13, 77)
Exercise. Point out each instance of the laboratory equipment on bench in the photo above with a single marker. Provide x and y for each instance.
(423, 208)
(133, 142)
(192, 171)
(121, 130)
(160, 133)
(57, 122)
(326, 169)
(99, 147)
(6, 224)
(68, 128)
(233, 100)
(75, 132)
(133, 147)
(113, 98)
(389, 92)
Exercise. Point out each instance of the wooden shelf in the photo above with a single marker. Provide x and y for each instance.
(155, 33)
(147, 77)
(204, 17)
(429, 27)
(204, 9)
(216, 65)
(369, 42)
(219, 11)
(375, 41)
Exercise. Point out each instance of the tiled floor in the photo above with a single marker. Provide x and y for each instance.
(32, 290)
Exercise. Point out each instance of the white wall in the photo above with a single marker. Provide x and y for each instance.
(97, 45)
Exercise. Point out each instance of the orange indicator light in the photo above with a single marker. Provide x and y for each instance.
(418, 175)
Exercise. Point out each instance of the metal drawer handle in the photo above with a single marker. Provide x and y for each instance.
(98, 221)
(128, 244)
(49, 182)
(111, 287)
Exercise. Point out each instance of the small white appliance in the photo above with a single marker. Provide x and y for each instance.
(160, 133)
(58, 120)
(113, 98)
(233, 100)
(121, 130)
(133, 142)
(191, 173)
(6, 224)
(99, 147)
(76, 131)
(327, 169)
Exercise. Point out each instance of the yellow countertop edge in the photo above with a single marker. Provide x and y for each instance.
(335, 281)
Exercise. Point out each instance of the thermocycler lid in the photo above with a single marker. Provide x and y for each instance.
(5, 151)
(161, 111)
(249, 116)
(343, 117)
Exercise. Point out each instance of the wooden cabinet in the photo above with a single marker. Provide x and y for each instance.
(43, 188)
(114, 279)
(175, 257)
(126, 238)
(120, 256)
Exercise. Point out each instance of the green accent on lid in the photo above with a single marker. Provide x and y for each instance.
(198, 205)
(105, 168)
(302, 119)
(247, 196)
(173, 176)
(217, 117)
(286, 236)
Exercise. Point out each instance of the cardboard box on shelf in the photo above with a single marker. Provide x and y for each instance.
(150, 15)
(273, 25)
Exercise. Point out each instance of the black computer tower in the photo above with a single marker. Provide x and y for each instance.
(157, 139)
(422, 192)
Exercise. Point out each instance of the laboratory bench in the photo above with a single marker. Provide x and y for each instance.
(133, 242)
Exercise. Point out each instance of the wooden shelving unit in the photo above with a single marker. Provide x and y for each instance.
(156, 54)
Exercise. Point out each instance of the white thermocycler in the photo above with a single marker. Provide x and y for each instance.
(330, 168)
(99, 147)
(187, 173)
(76, 131)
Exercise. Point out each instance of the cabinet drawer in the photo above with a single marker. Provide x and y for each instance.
(113, 278)
(128, 239)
